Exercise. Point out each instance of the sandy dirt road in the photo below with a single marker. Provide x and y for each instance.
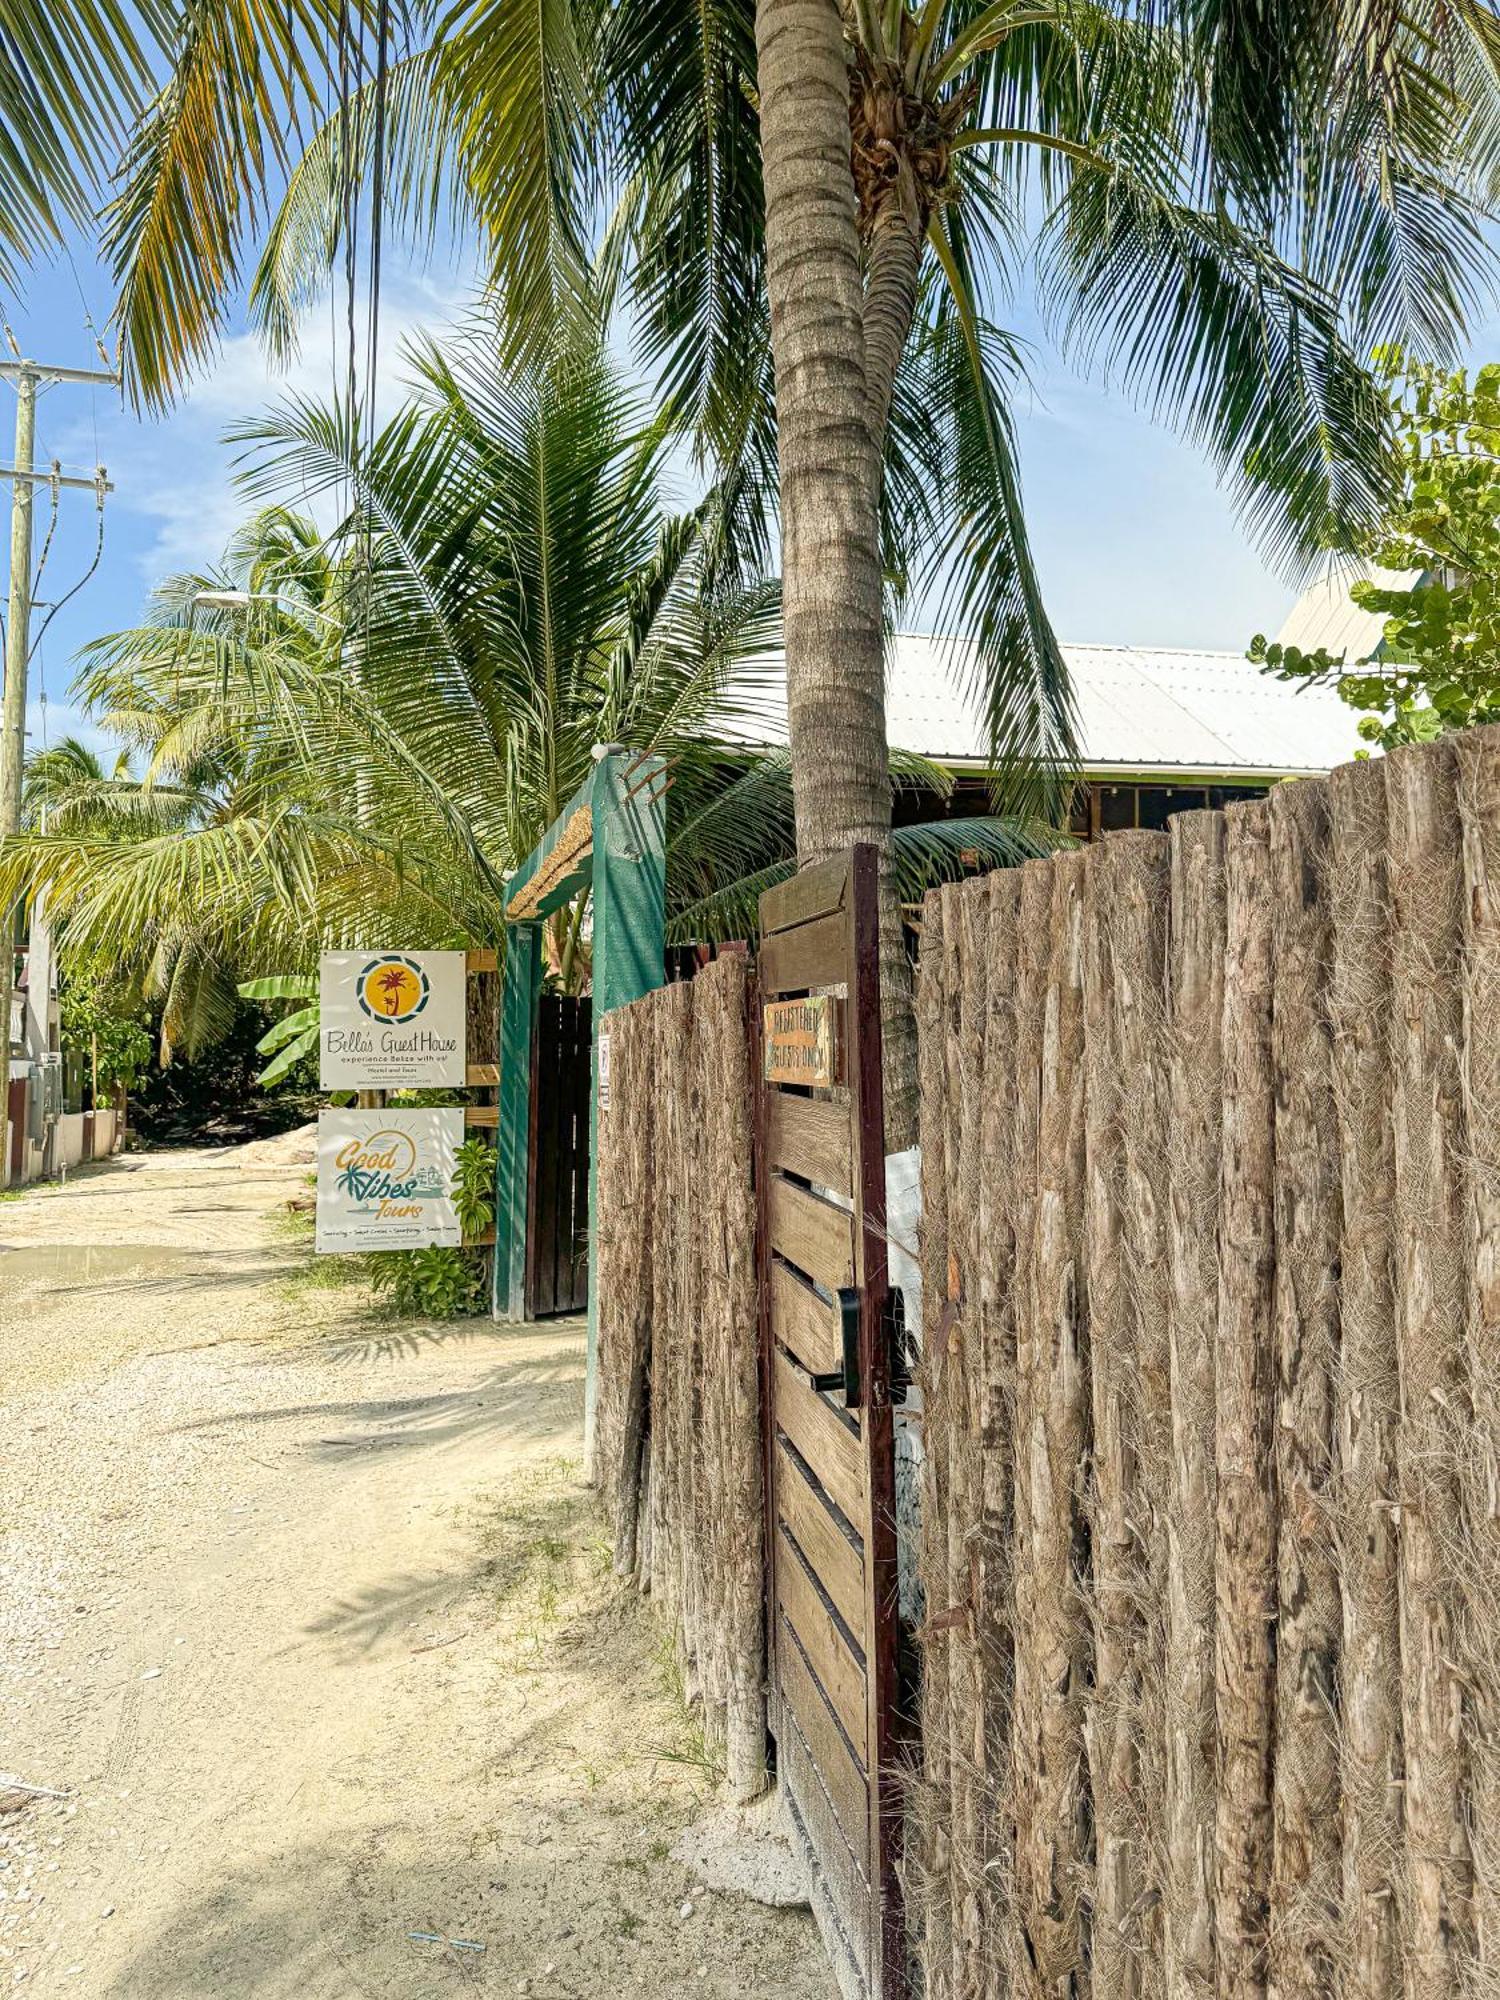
(311, 1620)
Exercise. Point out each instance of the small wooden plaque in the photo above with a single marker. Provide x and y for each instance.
(801, 1041)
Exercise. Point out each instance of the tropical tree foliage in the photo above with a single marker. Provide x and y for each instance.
(357, 732)
(1436, 665)
(1221, 220)
(1218, 215)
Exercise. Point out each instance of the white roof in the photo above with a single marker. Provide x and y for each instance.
(1325, 616)
(1140, 710)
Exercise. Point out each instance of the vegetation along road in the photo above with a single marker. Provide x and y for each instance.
(309, 1621)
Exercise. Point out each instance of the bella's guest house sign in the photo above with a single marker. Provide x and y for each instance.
(391, 1020)
(385, 1179)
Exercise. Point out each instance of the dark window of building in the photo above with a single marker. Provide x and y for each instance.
(1160, 802)
(1116, 807)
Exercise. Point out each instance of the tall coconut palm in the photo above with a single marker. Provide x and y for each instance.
(1219, 213)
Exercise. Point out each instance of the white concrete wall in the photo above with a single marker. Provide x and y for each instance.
(67, 1144)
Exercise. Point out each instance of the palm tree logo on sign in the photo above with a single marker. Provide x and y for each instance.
(392, 988)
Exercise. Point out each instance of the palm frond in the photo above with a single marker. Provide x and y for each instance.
(521, 86)
(195, 177)
(942, 851)
(1211, 330)
(426, 192)
(71, 77)
(960, 518)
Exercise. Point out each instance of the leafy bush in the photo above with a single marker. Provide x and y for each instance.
(442, 1283)
(474, 1186)
(428, 1284)
(1436, 665)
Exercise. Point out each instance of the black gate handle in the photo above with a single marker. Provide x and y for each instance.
(847, 1377)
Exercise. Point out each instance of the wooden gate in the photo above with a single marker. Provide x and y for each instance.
(557, 1206)
(827, 1348)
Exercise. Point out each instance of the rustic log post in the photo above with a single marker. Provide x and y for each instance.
(1115, 1595)
(624, 1304)
(998, 1278)
(707, 1514)
(1244, 1404)
(953, 1415)
(1431, 1298)
(1367, 1390)
(1033, 945)
(1050, 1450)
(1196, 994)
(1139, 1038)
(687, 1334)
(939, 1282)
(664, 1331)
(734, 1475)
(1308, 1213)
(1478, 754)
(970, 907)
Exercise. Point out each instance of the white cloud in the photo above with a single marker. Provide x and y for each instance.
(177, 475)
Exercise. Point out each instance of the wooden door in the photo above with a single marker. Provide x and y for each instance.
(557, 1206)
(827, 1356)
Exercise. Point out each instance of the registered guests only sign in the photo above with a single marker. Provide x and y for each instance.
(385, 1179)
(391, 1020)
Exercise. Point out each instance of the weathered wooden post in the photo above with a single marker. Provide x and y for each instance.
(1431, 1296)
(1052, 1429)
(1128, 1280)
(1196, 1007)
(1478, 753)
(1368, 1390)
(1244, 1406)
(1306, 1865)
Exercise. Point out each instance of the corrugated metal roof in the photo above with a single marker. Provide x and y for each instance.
(1140, 709)
(1324, 615)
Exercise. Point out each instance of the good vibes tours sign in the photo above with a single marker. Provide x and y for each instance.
(385, 1179)
(391, 1020)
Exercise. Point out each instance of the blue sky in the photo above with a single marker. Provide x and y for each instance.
(1134, 540)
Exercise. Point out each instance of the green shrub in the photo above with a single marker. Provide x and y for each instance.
(428, 1284)
(474, 1186)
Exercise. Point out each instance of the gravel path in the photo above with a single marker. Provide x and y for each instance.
(311, 1620)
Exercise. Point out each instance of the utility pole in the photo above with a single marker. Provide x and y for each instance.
(18, 617)
(28, 377)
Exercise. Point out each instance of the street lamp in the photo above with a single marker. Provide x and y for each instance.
(242, 600)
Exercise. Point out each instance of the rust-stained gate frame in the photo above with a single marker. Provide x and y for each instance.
(827, 1359)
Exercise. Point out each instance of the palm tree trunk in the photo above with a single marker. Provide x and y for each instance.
(831, 406)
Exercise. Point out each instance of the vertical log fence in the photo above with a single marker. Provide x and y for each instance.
(1210, 1555)
(1210, 1525)
(678, 1454)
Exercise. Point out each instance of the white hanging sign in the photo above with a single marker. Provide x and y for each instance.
(391, 1020)
(385, 1179)
(603, 1093)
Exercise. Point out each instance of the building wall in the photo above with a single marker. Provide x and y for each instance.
(1100, 805)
